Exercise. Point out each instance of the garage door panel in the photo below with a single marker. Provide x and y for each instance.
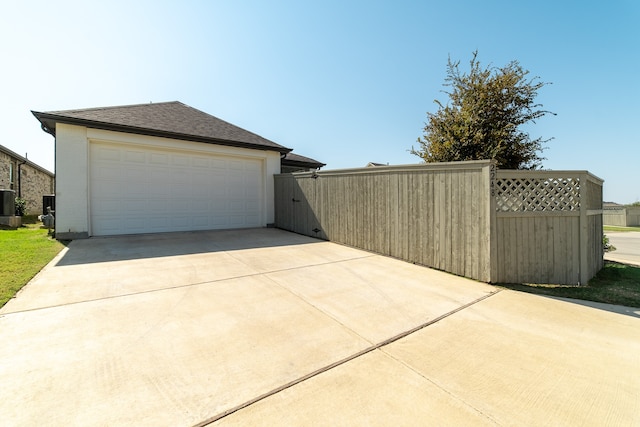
(157, 207)
(251, 218)
(200, 191)
(199, 205)
(106, 153)
(236, 221)
(154, 190)
(218, 221)
(181, 222)
(106, 207)
(134, 224)
(107, 190)
(139, 157)
(251, 192)
(158, 222)
(200, 180)
(108, 172)
(179, 160)
(135, 207)
(157, 191)
(201, 162)
(135, 174)
(138, 191)
(158, 159)
(251, 206)
(200, 221)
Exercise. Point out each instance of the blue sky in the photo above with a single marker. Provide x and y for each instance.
(344, 82)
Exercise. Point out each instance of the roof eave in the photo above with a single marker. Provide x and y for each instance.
(286, 162)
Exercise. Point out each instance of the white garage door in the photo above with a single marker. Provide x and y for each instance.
(148, 190)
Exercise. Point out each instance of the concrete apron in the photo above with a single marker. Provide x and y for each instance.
(265, 327)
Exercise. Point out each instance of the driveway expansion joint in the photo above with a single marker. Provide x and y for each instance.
(340, 362)
(187, 285)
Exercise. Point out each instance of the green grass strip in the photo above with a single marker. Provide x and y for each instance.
(23, 253)
(607, 228)
(615, 284)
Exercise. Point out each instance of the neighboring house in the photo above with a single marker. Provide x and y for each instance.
(29, 180)
(296, 163)
(158, 167)
(611, 206)
(620, 215)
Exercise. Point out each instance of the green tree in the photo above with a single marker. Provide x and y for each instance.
(483, 117)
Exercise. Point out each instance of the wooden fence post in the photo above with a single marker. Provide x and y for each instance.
(584, 230)
(492, 224)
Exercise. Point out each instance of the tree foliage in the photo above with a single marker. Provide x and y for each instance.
(20, 205)
(483, 117)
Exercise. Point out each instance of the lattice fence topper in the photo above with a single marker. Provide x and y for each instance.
(537, 194)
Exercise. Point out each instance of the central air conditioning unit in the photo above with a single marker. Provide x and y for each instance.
(7, 203)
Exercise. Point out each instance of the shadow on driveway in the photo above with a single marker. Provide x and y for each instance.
(141, 246)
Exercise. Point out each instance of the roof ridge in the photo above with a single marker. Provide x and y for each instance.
(114, 107)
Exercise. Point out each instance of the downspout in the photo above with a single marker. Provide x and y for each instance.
(52, 132)
(49, 217)
(20, 175)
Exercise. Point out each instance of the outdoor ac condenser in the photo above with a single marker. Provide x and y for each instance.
(7, 203)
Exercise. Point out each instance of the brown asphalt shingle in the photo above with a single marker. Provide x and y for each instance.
(167, 119)
(297, 159)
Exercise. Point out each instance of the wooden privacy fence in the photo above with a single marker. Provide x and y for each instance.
(628, 216)
(548, 226)
(466, 218)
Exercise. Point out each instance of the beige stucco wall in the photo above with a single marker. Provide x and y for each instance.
(72, 166)
(34, 182)
(72, 206)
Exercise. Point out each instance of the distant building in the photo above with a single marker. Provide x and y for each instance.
(29, 180)
(611, 205)
(372, 164)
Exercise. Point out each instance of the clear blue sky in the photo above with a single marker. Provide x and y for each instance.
(344, 82)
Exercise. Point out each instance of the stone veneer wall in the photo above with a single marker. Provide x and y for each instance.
(35, 183)
(5, 160)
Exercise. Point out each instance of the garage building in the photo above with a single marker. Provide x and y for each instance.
(158, 167)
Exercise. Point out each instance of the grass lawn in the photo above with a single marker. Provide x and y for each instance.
(614, 284)
(609, 228)
(25, 251)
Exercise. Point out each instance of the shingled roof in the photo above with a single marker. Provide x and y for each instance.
(291, 159)
(165, 119)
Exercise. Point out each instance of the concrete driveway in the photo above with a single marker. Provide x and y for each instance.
(265, 327)
(627, 247)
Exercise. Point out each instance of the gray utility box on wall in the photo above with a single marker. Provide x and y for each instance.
(7, 203)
